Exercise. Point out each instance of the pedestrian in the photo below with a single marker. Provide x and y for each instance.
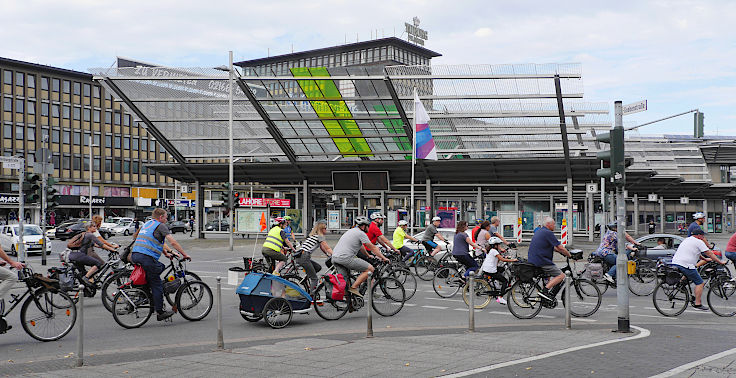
(652, 226)
(191, 226)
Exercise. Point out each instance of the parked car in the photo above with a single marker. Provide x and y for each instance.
(179, 226)
(125, 227)
(106, 229)
(67, 230)
(32, 238)
(51, 233)
(217, 226)
(671, 242)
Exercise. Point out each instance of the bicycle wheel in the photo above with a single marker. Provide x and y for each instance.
(670, 300)
(722, 296)
(326, 307)
(110, 287)
(407, 279)
(194, 300)
(481, 290)
(643, 282)
(388, 296)
(447, 282)
(424, 268)
(277, 313)
(188, 277)
(132, 307)
(48, 316)
(602, 284)
(585, 298)
(523, 300)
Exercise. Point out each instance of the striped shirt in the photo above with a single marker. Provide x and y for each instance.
(312, 243)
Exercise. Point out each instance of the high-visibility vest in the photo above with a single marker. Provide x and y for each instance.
(274, 240)
(145, 243)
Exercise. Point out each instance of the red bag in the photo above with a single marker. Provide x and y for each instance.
(138, 276)
(338, 286)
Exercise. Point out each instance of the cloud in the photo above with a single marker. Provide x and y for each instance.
(483, 32)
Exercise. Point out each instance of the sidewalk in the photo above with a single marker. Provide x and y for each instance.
(385, 355)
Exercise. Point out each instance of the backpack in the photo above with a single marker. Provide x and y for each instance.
(75, 243)
(336, 285)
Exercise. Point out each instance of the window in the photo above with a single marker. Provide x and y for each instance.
(152, 146)
(55, 85)
(67, 86)
(108, 165)
(31, 107)
(77, 113)
(144, 144)
(126, 120)
(108, 141)
(126, 166)
(19, 105)
(8, 131)
(85, 162)
(117, 118)
(96, 164)
(44, 83)
(96, 92)
(8, 77)
(126, 143)
(45, 133)
(144, 170)
(31, 134)
(19, 132)
(31, 81)
(19, 78)
(96, 138)
(117, 141)
(87, 90)
(135, 167)
(65, 111)
(67, 136)
(55, 135)
(56, 160)
(85, 140)
(96, 116)
(67, 161)
(108, 117)
(7, 104)
(135, 144)
(45, 109)
(117, 166)
(77, 138)
(77, 162)
(87, 114)
(77, 88)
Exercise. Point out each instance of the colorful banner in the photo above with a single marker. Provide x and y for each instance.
(425, 143)
(263, 202)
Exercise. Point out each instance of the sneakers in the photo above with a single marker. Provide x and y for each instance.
(87, 282)
(354, 291)
(609, 278)
(545, 294)
(500, 300)
(164, 315)
(701, 307)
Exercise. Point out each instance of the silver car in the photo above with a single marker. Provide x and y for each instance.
(660, 245)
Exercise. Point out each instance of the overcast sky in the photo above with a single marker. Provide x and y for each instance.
(679, 55)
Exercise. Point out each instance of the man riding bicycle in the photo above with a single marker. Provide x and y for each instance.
(149, 244)
(274, 243)
(541, 250)
(398, 242)
(344, 253)
(376, 236)
(685, 258)
(427, 237)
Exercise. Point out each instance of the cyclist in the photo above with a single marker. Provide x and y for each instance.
(483, 235)
(608, 249)
(303, 256)
(427, 238)
(398, 242)
(461, 247)
(376, 236)
(275, 243)
(685, 258)
(475, 230)
(288, 230)
(8, 278)
(149, 244)
(541, 250)
(495, 222)
(490, 266)
(97, 220)
(86, 255)
(350, 243)
(698, 220)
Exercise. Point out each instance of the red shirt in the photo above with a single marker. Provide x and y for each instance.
(374, 232)
(472, 233)
(731, 246)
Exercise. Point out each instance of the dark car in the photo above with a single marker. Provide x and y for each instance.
(67, 230)
(217, 226)
(179, 226)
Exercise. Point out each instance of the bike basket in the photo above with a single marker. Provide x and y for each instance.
(524, 272)
(672, 276)
(594, 271)
(172, 286)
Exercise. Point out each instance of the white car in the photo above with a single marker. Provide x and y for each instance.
(32, 237)
(51, 234)
(106, 229)
(124, 227)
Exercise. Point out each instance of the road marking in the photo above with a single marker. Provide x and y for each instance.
(410, 304)
(584, 320)
(508, 313)
(654, 316)
(686, 367)
(642, 333)
(444, 299)
(436, 307)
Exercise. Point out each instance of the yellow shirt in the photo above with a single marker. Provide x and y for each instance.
(399, 235)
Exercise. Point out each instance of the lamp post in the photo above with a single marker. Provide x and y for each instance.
(90, 175)
(231, 178)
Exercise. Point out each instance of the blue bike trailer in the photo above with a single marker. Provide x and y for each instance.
(258, 288)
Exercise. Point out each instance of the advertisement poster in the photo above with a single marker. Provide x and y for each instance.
(296, 220)
(333, 219)
(448, 218)
(250, 220)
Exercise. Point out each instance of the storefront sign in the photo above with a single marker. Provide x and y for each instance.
(8, 199)
(98, 201)
(263, 202)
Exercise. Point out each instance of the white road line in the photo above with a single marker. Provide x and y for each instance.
(642, 333)
(436, 307)
(410, 304)
(654, 316)
(686, 367)
(584, 320)
(444, 299)
(466, 309)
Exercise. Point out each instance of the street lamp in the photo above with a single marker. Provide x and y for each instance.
(230, 72)
(90, 174)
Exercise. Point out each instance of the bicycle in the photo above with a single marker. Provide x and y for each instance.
(133, 305)
(524, 301)
(450, 277)
(425, 265)
(673, 292)
(47, 314)
(641, 282)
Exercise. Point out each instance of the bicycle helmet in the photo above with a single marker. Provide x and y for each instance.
(494, 240)
(275, 222)
(403, 223)
(436, 219)
(698, 215)
(362, 221)
(287, 218)
(377, 215)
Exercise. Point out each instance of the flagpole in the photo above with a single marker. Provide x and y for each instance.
(413, 161)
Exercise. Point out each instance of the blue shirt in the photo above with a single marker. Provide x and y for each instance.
(287, 231)
(542, 247)
(460, 244)
(693, 226)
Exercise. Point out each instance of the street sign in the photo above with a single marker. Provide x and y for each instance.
(591, 188)
(652, 197)
(684, 200)
(635, 107)
(9, 162)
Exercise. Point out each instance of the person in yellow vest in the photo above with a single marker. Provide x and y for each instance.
(275, 243)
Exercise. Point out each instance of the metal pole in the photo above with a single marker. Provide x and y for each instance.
(622, 276)
(230, 140)
(471, 306)
(21, 246)
(44, 174)
(369, 304)
(661, 214)
(413, 162)
(176, 200)
(603, 202)
(568, 315)
(80, 328)
(636, 214)
(220, 341)
(591, 217)
(570, 205)
(90, 176)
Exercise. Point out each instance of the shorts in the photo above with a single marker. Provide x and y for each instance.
(691, 274)
(550, 270)
(353, 263)
(429, 245)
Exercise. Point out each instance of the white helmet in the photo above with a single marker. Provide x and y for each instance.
(377, 215)
(403, 223)
(436, 219)
(494, 240)
(698, 215)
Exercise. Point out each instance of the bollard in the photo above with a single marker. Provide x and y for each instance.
(471, 306)
(80, 328)
(220, 341)
(568, 318)
(369, 304)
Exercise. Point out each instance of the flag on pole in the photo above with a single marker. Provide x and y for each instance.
(424, 141)
(263, 222)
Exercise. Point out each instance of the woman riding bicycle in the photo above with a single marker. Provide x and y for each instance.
(490, 267)
(461, 248)
(303, 256)
(483, 235)
(86, 255)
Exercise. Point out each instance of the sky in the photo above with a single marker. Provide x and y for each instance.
(678, 55)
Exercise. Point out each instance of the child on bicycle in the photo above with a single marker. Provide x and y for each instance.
(490, 268)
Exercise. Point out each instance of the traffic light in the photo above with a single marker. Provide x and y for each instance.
(225, 196)
(698, 124)
(236, 199)
(32, 188)
(613, 160)
(52, 195)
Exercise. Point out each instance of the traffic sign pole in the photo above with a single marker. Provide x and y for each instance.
(21, 248)
(622, 277)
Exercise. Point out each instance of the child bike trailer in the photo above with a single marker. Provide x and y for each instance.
(272, 298)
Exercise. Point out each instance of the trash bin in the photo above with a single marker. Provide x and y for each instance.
(235, 275)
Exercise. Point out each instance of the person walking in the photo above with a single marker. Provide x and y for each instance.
(652, 226)
(191, 226)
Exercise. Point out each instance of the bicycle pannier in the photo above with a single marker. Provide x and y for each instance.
(594, 270)
(66, 279)
(672, 276)
(138, 276)
(525, 272)
(337, 286)
(76, 242)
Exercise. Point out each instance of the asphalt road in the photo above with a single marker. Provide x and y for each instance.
(692, 334)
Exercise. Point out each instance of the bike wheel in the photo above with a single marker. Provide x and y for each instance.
(585, 298)
(326, 307)
(188, 277)
(277, 313)
(481, 290)
(424, 267)
(447, 282)
(670, 300)
(602, 285)
(643, 282)
(194, 300)
(48, 316)
(132, 307)
(407, 279)
(722, 297)
(388, 296)
(523, 300)
(111, 286)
